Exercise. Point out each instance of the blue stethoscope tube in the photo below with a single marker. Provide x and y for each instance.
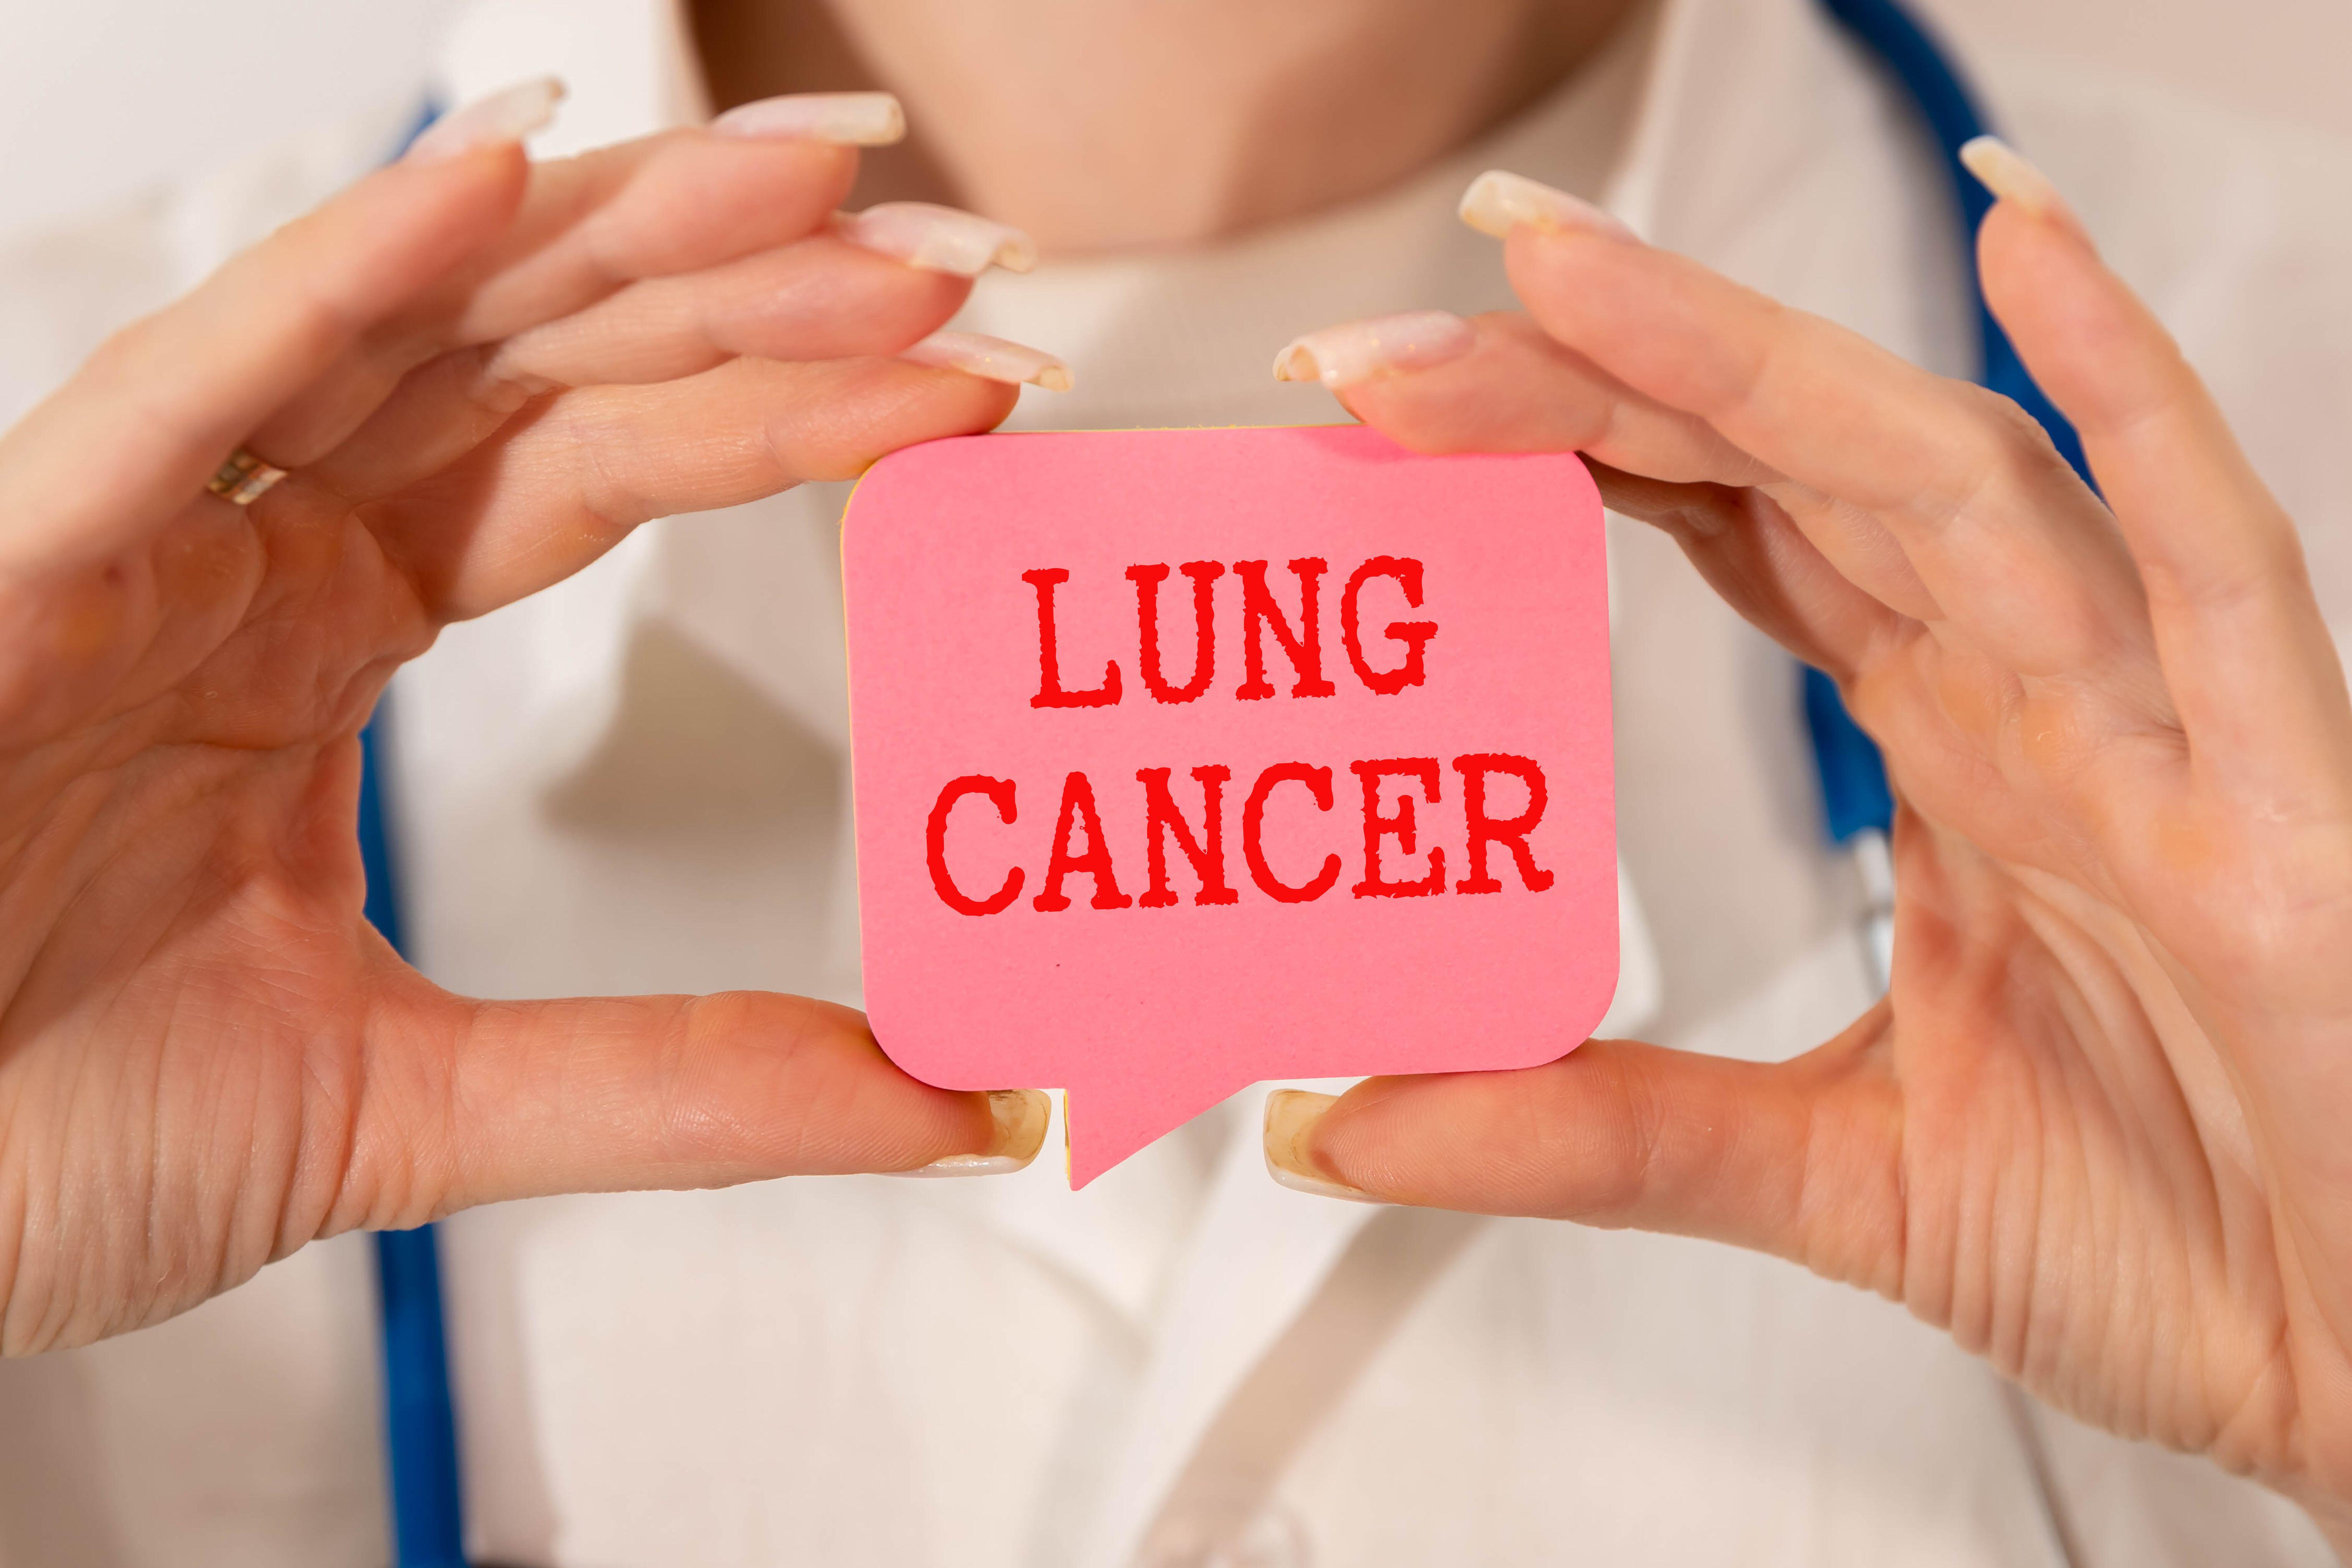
(420, 1420)
(1857, 803)
(420, 1423)
(1857, 808)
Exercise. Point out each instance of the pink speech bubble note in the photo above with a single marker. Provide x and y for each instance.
(1344, 808)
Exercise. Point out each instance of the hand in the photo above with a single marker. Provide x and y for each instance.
(2098, 1127)
(482, 374)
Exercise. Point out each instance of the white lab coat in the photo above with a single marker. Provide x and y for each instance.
(635, 782)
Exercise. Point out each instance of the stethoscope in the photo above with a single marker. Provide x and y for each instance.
(1857, 807)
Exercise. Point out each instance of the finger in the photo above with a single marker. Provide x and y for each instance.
(2021, 560)
(2239, 632)
(567, 480)
(1517, 388)
(587, 227)
(1765, 568)
(1514, 388)
(649, 1092)
(1800, 1158)
(131, 438)
(819, 299)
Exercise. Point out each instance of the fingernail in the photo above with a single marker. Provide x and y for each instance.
(1499, 202)
(1021, 1115)
(505, 116)
(1290, 1118)
(991, 359)
(1998, 168)
(843, 118)
(1357, 350)
(938, 239)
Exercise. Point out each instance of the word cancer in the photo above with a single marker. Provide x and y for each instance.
(1163, 821)
(1484, 828)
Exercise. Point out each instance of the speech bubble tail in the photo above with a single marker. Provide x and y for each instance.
(1101, 1126)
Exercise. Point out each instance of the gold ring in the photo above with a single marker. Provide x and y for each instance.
(243, 478)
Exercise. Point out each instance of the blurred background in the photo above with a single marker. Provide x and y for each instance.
(99, 98)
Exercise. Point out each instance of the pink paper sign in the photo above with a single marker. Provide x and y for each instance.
(1190, 757)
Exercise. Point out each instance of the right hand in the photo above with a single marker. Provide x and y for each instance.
(2096, 1128)
(482, 374)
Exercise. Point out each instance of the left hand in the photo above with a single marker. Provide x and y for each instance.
(484, 373)
(2098, 1127)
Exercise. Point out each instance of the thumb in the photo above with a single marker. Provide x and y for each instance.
(1800, 1158)
(525, 1099)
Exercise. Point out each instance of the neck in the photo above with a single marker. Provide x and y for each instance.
(1113, 124)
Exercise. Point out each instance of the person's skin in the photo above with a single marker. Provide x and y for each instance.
(484, 374)
(1111, 125)
(2098, 1129)
(2093, 1130)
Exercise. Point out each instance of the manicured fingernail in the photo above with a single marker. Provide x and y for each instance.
(506, 116)
(844, 118)
(1290, 1118)
(1499, 202)
(938, 239)
(1997, 165)
(1357, 350)
(992, 359)
(1021, 1116)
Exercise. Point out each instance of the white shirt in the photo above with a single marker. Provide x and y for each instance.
(635, 782)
